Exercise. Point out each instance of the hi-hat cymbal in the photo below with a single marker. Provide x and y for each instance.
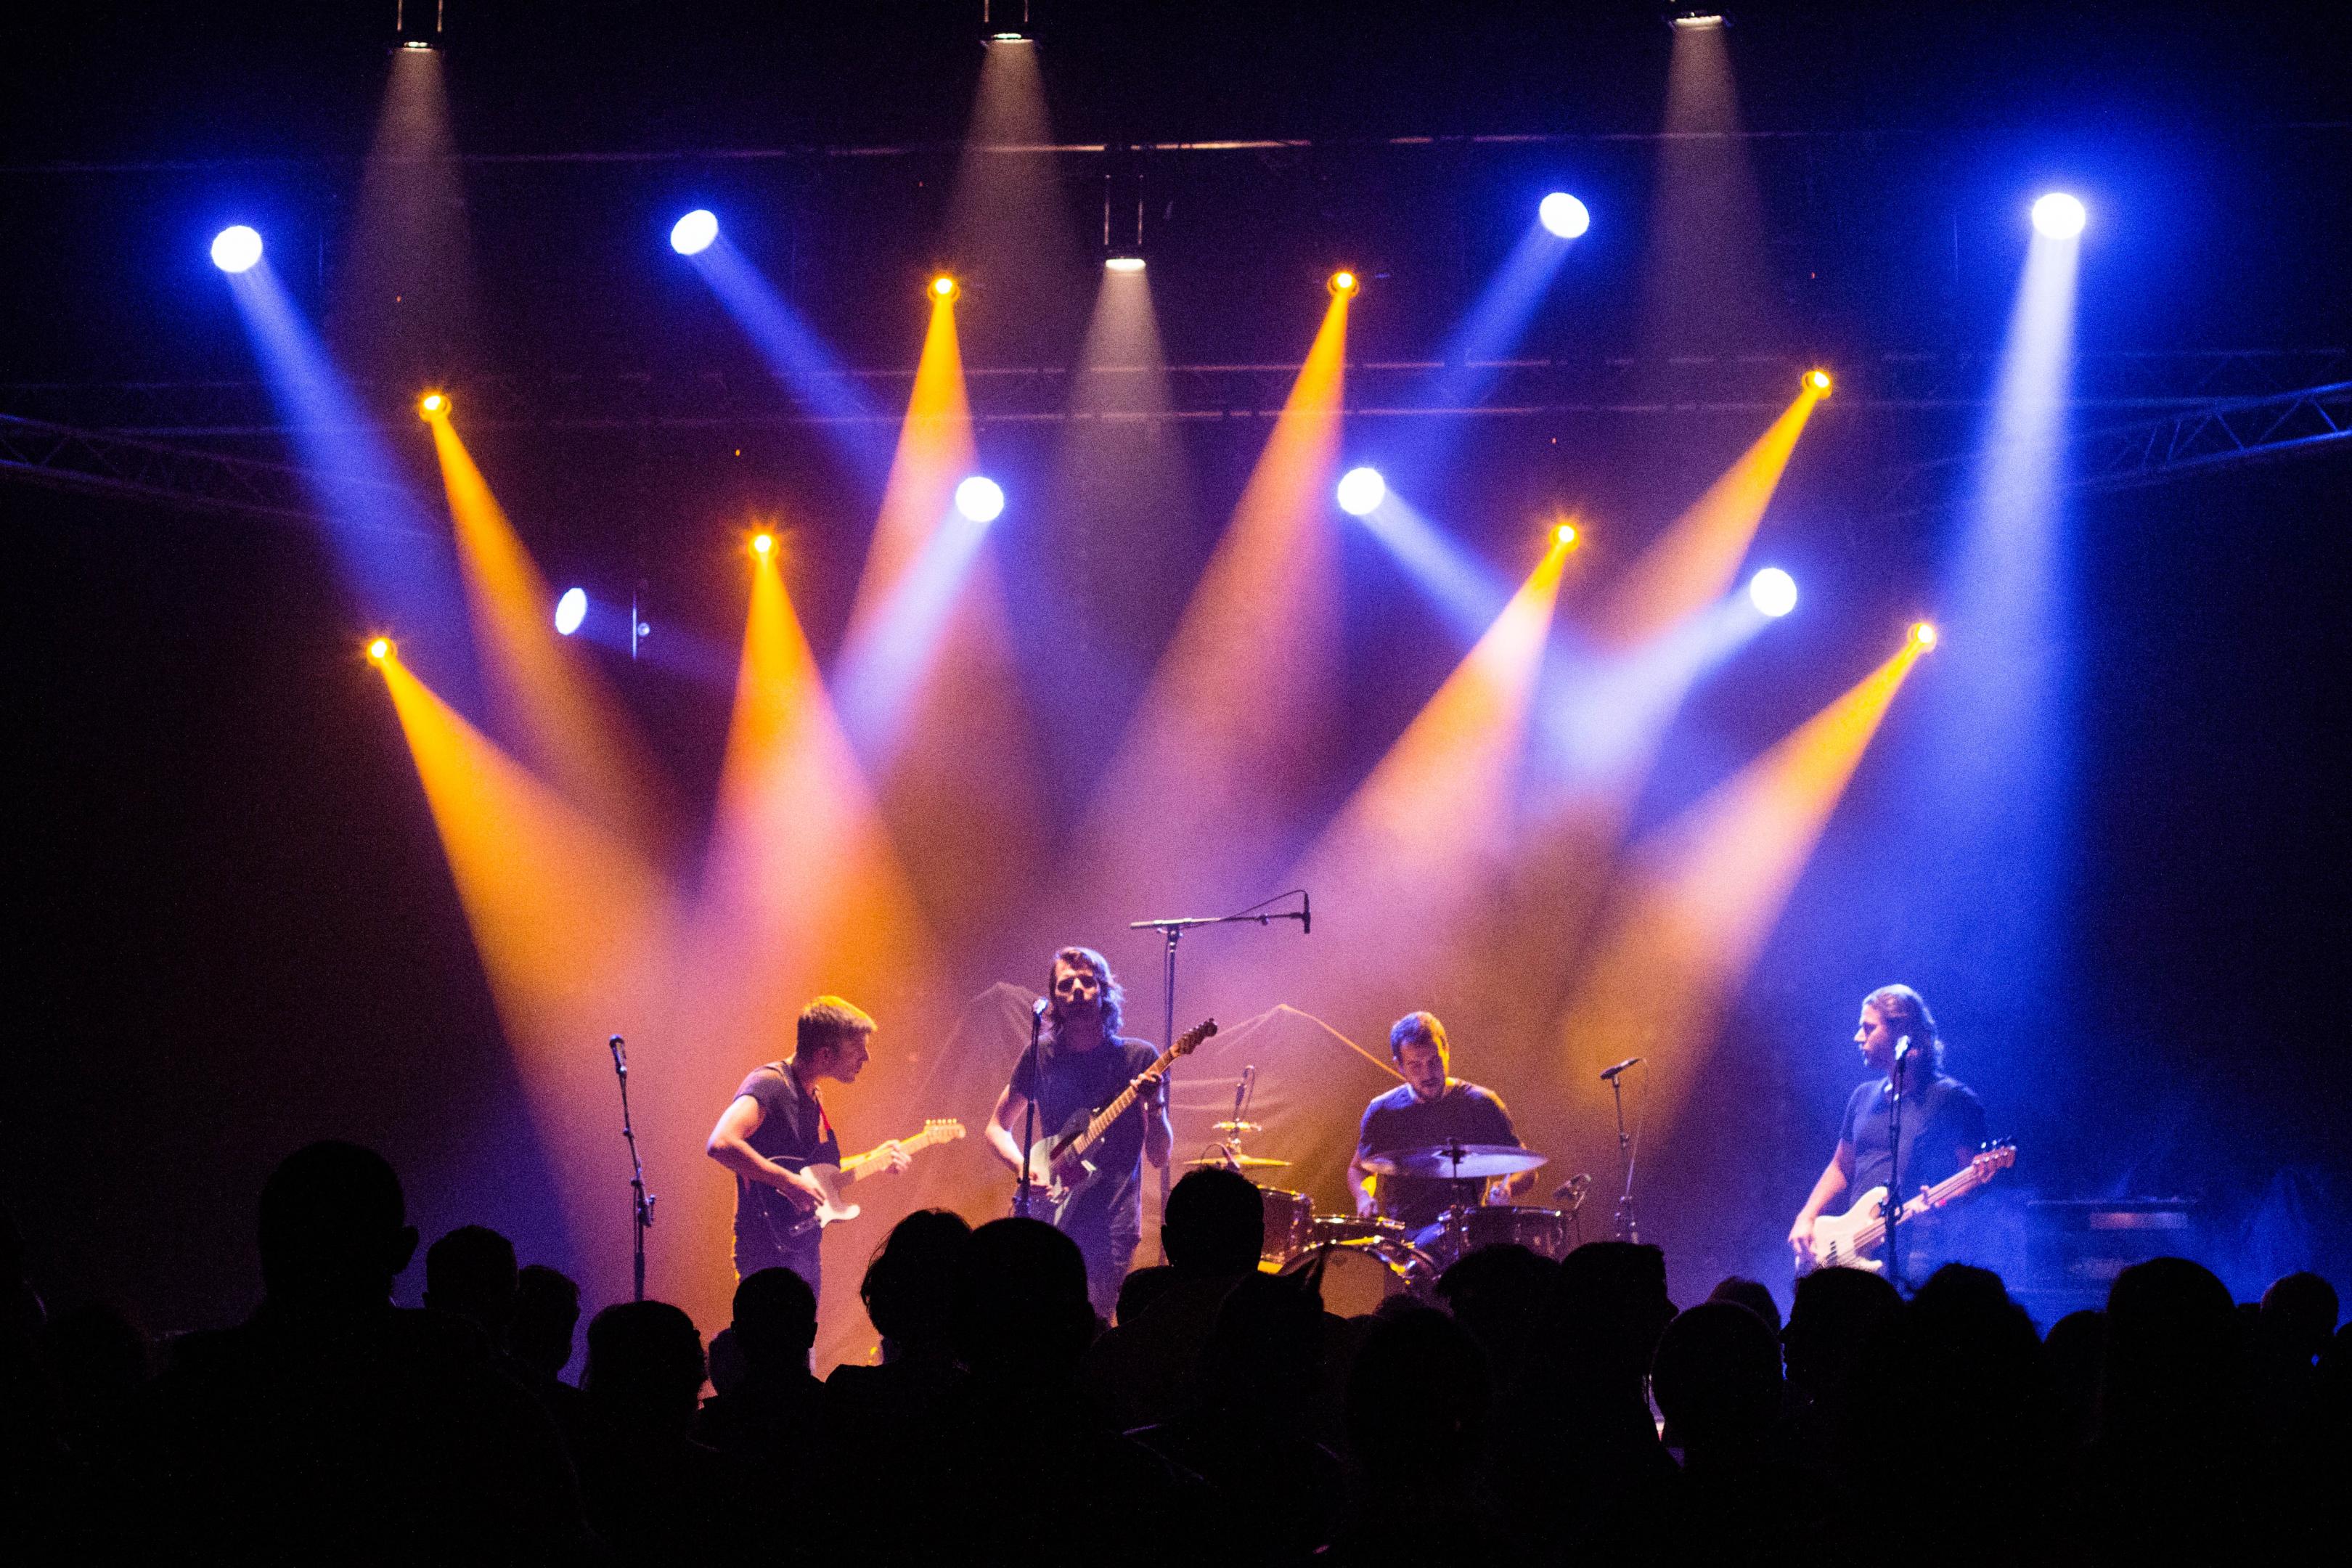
(1240, 1161)
(1449, 1161)
(1230, 1129)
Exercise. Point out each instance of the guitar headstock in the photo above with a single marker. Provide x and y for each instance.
(942, 1129)
(1998, 1155)
(1189, 1040)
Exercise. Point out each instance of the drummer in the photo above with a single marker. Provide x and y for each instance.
(1430, 1108)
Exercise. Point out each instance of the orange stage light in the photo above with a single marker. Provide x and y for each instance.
(380, 649)
(1923, 635)
(432, 404)
(945, 288)
(761, 544)
(1565, 534)
(1818, 381)
(1345, 284)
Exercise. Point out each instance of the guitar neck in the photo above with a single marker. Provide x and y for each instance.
(1965, 1180)
(852, 1168)
(1118, 1108)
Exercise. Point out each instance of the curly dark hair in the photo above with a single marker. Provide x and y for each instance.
(1113, 994)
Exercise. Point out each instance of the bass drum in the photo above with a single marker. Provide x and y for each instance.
(1289, 1223)
(1357, 1277)
(1543, 1232)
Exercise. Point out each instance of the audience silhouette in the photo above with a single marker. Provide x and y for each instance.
(1526, 1409)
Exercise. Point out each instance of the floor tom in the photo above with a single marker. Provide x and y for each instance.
(1462, 1231)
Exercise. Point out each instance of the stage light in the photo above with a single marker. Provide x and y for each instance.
(2059, 216)
(1345, 284)
(979, 498)
(1005, 22)
(1361, 489)
(1563, 215)
(570, 611)
(236, 248)
(1818, 381)
(434, 405)
(1773, 592)
(416, 23)
(763, 544)
(1924, 634)
(1124, 264)
(1695, 21)
(380, 649)
(1565, 534)
(692, 235)
(945, 288)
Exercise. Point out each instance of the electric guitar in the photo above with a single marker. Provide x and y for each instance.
(1058, 1167)
(1852, 1240)
(833, 1209)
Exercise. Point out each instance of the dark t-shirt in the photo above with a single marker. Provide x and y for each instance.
(1943, 1124)
(1087, 1082)
(1464, 1113)
(794, 1132)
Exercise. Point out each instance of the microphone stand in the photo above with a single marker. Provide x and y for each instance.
(1173, 932)
(1021, 1198)
(1893, 1206)
(1627, 1227)
(641, 1203)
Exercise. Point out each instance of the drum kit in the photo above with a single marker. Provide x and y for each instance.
(1360, 1260)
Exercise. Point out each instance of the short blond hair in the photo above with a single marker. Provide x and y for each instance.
(830, 1022)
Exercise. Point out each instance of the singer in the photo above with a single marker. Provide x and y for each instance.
(1943, 1126)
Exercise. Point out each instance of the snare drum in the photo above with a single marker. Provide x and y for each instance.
(1357, 1276)
(1543, 1232)
(1289, 1223)
(1333, 1229)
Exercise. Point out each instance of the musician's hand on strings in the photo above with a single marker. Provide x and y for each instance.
(895, 1156)
(1801, 1239)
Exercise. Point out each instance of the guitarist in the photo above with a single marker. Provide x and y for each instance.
(776, 1126)
(1085, 1063)
(1942, 1125)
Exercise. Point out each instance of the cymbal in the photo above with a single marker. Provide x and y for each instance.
(1227, 1128)
(1448, 1162)
(1240, 1161)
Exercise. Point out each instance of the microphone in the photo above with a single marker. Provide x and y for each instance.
(1305, 913)
(1609, 1075)
(1037, 1008)
(620, 1056)
(1573, 1187)
(1902, 1047)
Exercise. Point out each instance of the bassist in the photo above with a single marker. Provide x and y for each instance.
(776, 1127)
(1085, 1063)
(1943, 1127)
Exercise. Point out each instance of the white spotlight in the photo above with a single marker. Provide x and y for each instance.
(570, 611)
(1563, 215)
(692, 233)
(979, 498)
(1124, 264)
(1361, 489)
(1773, 592)
(236, 248)
(2059, 216)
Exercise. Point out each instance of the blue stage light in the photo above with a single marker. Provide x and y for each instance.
(2059, 216)
(1773, 592)
(692, 233)
(1563, 215)
(979, 498)
(570, 610)
(1361, 489)
(236, 249)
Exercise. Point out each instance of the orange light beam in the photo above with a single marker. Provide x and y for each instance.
(1693, 564)
(934, 453)
(1697, 898)
(549, 703)
(1232, 732)
(572, 927)
(1418, 838)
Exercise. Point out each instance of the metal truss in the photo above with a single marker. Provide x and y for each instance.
(2116, 458)
(103, 463)
(1417, 388)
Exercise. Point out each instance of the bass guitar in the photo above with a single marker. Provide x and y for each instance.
(1058, 1167)
(833, 1209)
(1853, 1239)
